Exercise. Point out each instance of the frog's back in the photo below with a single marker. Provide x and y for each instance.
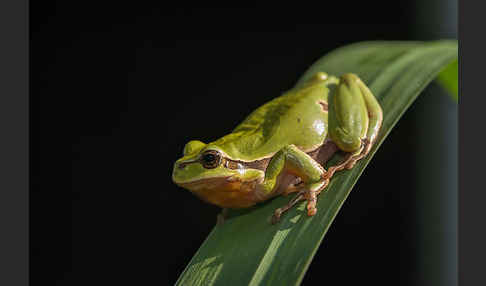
(297, 117)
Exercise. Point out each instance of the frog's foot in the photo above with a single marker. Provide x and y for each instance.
(350, 160)
(304, 194)
(278, 212)
(221, 217)
(311, 197)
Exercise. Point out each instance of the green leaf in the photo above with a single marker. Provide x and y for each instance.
(247, 249)
(448, 79)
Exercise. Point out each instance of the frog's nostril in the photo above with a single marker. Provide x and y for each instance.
(181, 165)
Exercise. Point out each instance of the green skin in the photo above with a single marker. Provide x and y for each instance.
(269, 153)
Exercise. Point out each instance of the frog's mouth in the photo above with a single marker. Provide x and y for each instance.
(206, 181)
(225, 192)
(225, 183)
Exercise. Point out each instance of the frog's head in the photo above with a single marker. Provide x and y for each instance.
(199, 162)
(211, 174)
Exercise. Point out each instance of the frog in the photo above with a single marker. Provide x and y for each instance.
(281, 148)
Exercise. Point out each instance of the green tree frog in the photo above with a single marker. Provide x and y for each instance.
(282, 146)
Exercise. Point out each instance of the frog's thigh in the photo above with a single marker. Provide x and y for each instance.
(347, 115)
(354, 114)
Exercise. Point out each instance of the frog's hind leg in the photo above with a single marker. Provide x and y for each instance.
(355, 118)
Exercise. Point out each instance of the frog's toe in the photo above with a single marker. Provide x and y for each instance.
(311, 211)
(276, 216)
(278, 212)
(219, 219)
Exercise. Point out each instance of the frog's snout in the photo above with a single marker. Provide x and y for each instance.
(176, 171)
(180, 170)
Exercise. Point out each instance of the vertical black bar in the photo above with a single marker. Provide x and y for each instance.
(472, 195)
(14, 142)
(436, 190)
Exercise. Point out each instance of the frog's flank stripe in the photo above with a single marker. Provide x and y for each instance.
(321, 154)
(257, 164)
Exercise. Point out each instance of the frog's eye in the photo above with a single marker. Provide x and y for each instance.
(211, 159)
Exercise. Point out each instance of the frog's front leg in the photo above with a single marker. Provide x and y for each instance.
(293, 161)
(355, 118)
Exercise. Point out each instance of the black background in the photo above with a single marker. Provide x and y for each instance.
(116, 92)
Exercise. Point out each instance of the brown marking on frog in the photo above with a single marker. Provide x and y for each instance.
(323, 105)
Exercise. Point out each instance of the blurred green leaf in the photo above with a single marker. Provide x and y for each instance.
(247, 249)
(448, 78)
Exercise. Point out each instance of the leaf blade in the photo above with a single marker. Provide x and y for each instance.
(247, 250)
(448, 78)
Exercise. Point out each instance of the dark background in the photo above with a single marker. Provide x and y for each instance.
(116, 92)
